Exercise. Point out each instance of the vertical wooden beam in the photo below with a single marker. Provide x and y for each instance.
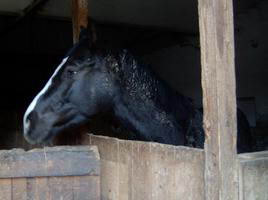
(219, 98)
(79, 17)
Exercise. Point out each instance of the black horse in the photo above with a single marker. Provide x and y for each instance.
(89, 82)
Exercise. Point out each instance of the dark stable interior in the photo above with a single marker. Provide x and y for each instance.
(34, 47)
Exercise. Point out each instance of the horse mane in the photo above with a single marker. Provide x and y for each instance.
(143, 84)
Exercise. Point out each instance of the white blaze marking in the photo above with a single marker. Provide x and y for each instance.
(26, 124)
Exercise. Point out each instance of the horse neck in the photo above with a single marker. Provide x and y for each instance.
(143, 85)
(135, 76)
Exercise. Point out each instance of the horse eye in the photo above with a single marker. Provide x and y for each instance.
(71, 72)
(90, 62)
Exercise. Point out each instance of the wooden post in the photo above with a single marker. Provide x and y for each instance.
(219, 98)
(80, 17)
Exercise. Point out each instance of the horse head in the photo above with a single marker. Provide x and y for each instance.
(79, 88)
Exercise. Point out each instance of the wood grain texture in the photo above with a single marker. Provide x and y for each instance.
(19, 188)
(253, 177)
(189, 174)
(30, 189)
(5, 189)
(55, 161)
(143, 170)
(86, 188)
(79, 17)
(51, 188)
(125, 170)
(219, 98)
(161, 175)
(42, 188)
(108, 149)
(64, 173)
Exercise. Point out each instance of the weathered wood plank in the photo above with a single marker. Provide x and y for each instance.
(171, 166)
(162, 177)
(42, 189)
(125, 170)
(253, 155)
(80, 17)
(62, 188)
(149, 170)
(142, 171)
(253, 178)
(5, 189)
(30, 189)
(66, 187)
(55, 161)
(219, 98)
(86, 188)
(108, 149)
(189, 173)
(55, 187)
(19, 188)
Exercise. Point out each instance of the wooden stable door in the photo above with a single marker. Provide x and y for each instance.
(58, 173)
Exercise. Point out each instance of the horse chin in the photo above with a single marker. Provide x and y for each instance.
(29, 139)
(62, 127)
(39, 137)
(44, 137)
(47, 129)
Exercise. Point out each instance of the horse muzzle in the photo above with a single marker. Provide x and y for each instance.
(37, 129)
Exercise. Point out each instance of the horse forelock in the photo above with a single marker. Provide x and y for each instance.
(26, 123)
(77, 48)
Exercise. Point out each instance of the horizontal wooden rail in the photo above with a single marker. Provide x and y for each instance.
(48, 162)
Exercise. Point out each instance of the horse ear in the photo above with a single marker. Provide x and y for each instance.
(86, 35)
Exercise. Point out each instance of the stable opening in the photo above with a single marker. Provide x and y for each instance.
(168, 42)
